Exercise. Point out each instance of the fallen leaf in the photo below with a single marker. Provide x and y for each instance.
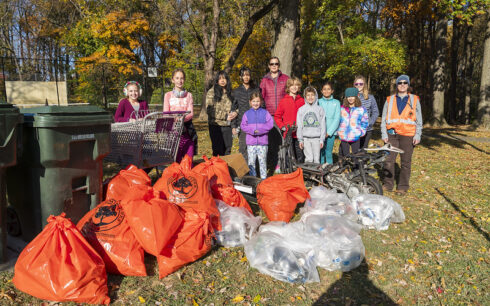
(257, 298)
(141, 299)
(237, 299)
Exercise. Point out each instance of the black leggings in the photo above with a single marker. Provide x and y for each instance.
(221, 139)
(345, 147)
(365, 139)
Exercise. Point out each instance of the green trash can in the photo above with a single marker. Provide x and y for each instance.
(9, 122)
(60, 169)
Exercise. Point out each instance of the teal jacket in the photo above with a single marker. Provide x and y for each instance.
(331, 107)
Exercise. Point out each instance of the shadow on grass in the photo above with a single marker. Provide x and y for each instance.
(435, 137)
(472, 221)
(354, 288)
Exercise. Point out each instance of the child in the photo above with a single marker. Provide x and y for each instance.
(353, 122)
(331, 107)
(256, 123)
(287, 111)
(180, 100)
(131, 107)
(311, 126)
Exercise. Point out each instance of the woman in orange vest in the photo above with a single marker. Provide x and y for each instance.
(401, 126)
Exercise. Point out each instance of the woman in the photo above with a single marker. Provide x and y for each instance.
(221, 110)
(130, 108)
(401, 126)
(180, 99)
(369, 103)
(241, 94)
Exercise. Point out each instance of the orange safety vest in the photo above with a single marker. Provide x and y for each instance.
(404, 123)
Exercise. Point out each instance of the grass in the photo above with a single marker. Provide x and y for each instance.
(439, 255)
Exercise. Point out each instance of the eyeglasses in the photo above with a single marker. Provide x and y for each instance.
(403, 83)
(358, 84)
(273, 64)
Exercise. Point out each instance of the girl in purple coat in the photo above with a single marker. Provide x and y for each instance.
(256, 123)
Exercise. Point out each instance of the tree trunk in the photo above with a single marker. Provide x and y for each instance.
(468, 74)
(453, 100)
(285, 33)
(439, 70)
(484, 104)
(209, 43)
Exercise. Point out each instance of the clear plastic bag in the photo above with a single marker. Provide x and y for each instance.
(328, 200)
(237, 223)
(376, 211)
(269, 252)
(336, 240)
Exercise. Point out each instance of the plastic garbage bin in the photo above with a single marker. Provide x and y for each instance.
(9, 120)
(60, 168)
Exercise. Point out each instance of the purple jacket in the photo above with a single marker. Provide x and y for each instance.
(273, 90)
(125, 109)
(257, 120)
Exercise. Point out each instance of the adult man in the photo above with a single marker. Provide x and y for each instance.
(273, 88)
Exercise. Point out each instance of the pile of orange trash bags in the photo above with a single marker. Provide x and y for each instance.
(174, 220)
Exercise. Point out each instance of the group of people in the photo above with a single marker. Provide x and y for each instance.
(251, 113)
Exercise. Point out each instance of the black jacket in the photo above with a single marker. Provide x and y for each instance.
(241, 96)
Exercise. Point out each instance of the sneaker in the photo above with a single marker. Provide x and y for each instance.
(401, 192)
(386, 189)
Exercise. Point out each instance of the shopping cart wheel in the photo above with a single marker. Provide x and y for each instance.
(13, 222)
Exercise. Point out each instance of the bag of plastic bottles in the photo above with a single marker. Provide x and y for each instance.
(270, 254)
(328, 200)
(335, 239)
(376, 211)
(237, 225)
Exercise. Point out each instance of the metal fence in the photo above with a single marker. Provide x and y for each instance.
(99, 83)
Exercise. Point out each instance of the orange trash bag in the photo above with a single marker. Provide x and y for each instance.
(153, 221)
(278, 195)
(216, 170)
(119, 186)
(230, 196)
(221, 183)
(190, 243)
(107, 230)
(188, 189)
(60, 265)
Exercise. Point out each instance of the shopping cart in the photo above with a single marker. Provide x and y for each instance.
(151, 140)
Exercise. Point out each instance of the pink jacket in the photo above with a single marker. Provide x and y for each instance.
(273, 90)
(174, 104)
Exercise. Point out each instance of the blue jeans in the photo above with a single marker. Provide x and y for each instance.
(326, 151)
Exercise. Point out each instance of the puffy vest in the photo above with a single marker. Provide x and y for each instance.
(404, 123)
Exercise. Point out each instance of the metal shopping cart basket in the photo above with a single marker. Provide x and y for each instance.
(150, 141)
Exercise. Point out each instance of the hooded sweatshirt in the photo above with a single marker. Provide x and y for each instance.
(311, 121)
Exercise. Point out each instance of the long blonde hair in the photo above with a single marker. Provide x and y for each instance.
(365, 90)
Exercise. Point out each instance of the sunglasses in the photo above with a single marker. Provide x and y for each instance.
(403, 83)
(273, 64)
(358, 84)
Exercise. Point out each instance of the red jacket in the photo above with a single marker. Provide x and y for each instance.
(287, 110)
(273, 90)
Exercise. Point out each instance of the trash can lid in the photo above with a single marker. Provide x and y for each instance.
(68, 109)
(71, 115)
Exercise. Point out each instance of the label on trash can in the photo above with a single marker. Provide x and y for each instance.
(83, 137)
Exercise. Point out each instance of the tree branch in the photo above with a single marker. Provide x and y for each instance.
(235, 53)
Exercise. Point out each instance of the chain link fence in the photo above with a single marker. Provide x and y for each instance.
(60, 81)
